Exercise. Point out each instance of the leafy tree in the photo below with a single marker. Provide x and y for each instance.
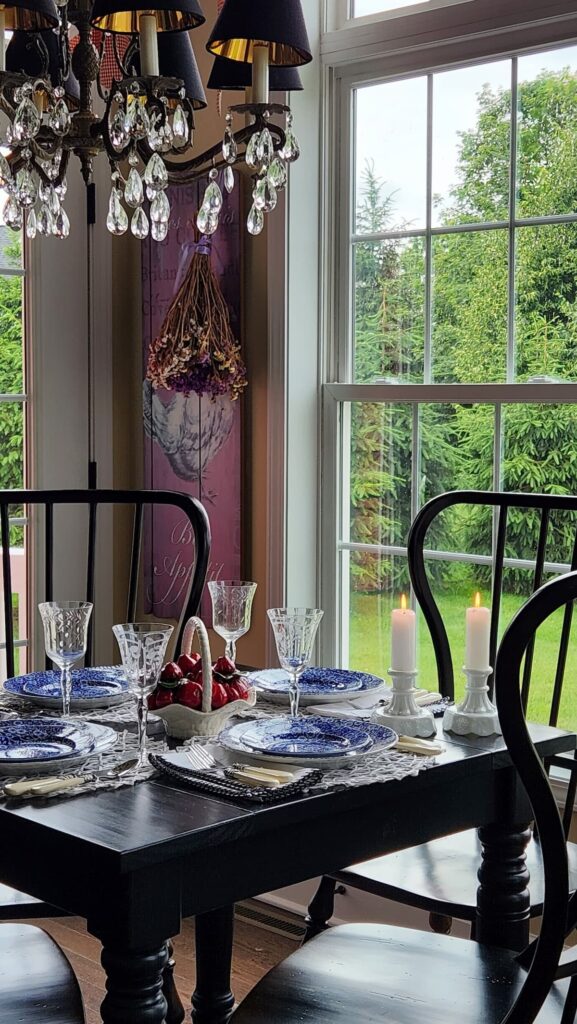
(11, 375)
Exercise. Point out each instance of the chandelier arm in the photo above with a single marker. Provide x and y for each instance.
(186, 172)
(63, 42)
(103, 93)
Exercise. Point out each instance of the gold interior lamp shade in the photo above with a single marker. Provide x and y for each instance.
(124, 15)
(30, 15)
(278, 24)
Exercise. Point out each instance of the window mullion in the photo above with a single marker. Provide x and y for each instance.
(512, 294)
(427, 358)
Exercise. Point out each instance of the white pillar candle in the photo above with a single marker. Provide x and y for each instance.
(3, 39)
(260, 73)
(148, 45)
(403, 638)
(477, 633)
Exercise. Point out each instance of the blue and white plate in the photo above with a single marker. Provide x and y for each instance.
(103, 738)
(43, 739)
(316, 685)
(91, 688)
(320, 742)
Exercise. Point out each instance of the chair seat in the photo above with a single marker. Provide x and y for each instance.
(370, 974)
(441, 876)
(37, 984)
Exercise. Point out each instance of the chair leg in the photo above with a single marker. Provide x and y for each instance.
(440, 924)
(570, 1008)
(174, 1008)
(321, 908)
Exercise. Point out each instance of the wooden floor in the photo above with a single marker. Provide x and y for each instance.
(256, 950)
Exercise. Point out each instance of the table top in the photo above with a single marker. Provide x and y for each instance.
(138, 826)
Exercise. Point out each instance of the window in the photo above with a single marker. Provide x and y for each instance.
(455, 361)
(13, 427)
(362, 8)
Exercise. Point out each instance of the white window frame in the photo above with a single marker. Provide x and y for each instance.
(349, 64)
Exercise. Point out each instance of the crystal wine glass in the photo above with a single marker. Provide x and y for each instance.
(231, 608)
(65, 637)
(142, 649)
(294, 631)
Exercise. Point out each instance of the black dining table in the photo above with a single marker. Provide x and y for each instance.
(136, 860)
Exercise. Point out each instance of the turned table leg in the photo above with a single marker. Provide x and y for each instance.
(212, 1000)
(134, 986)
(503, 901)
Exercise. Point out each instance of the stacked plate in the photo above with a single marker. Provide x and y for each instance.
(45, 745)
(91, 688)
(316, 685)
(315, 741)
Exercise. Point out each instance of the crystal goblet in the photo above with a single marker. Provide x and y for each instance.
(294, 631)
(231, 608)
(142, 649)
(65, 637)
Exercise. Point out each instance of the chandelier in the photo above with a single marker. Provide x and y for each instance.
(56, 102)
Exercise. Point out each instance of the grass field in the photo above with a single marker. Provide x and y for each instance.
(370, 617)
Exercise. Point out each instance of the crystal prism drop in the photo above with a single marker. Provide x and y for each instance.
(26, 124)
(251, 155)
(118, 131)
(139, 224)
(44, 191)
(31, 224)
(53, 202)
(45, 220)
(291, 149)
(228, 179)
(277, 174)
(213, 197)
(12, 214)
(160, 209)
(5, 172)
(59, 119)
(26, 188)
(264, 195)
(137, 119)
(207, 220)
(255, 220)
(133, 190)
(179, 128)
(265, 149)
(229, 147)
(61, 224)
(54, 166)
(155, 174)
(117, 219)
(61, 189)
(159, 230)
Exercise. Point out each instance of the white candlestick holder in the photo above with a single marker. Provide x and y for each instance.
(475, 715)
(403, 714)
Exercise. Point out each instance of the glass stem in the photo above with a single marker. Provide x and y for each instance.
(294, 694)
(66, 687)
(230, 650)
(142, 715)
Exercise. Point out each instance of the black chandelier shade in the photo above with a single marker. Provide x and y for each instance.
(24, 55)
(176, 60)
(123, 16)
(30, 15)
(280, 24)
(234, 74)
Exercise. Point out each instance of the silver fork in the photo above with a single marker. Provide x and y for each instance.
(200, 758)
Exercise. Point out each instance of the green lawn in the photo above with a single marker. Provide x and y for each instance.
(370, 616)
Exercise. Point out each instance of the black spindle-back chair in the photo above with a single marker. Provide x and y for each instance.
(46, 504)
(370, 973)
(441, 877)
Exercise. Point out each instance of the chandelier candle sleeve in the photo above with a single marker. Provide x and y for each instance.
(260, 80)
(477, 632)
(403, 638)
(2, 40)
(149, 62)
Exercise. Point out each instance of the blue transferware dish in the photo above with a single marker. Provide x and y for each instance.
(43, 739)
(91, 688)
(306, 737)
(316, 685)
(104, 739)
